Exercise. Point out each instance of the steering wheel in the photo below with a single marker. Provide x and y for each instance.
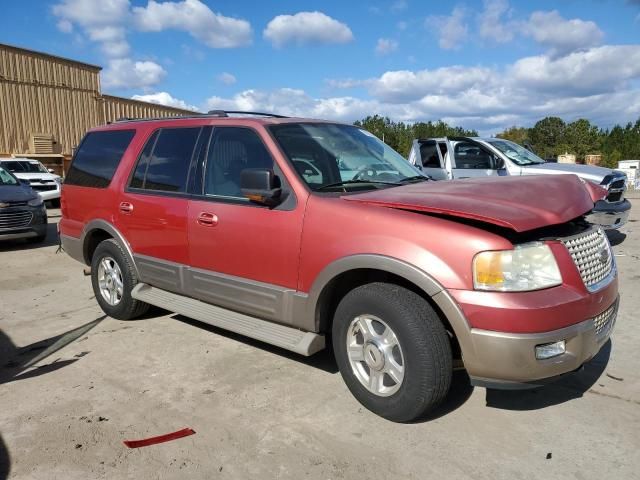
(365, 171)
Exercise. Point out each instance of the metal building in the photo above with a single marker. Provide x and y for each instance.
(47, 103)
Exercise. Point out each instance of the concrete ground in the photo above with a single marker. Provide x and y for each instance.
(75, 384)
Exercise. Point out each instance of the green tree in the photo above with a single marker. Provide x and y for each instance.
(546, 135)
(519, 135)
(583, 138)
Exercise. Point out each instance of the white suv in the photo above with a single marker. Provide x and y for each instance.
(43, 181)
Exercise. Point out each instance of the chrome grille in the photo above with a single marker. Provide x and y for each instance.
(603, 323)
(12, 220)
(592, 255)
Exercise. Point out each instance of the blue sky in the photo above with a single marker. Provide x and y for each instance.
(484, 64)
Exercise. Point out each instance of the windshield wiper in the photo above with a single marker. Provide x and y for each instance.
(414, 179)
(350, 182)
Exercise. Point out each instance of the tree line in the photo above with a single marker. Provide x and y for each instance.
(549, 137)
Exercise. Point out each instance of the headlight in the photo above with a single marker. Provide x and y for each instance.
(36, 202)
(58, 180)
(530, 266)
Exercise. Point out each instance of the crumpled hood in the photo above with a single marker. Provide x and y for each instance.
(518, 203)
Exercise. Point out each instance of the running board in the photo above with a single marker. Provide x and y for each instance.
(304, 343)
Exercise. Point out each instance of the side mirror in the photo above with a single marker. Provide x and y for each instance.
(261, 186)
(500, 163)
(51, 170)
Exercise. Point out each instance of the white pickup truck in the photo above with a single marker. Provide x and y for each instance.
(469, 157)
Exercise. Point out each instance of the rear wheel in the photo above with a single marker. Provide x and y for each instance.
(113, 278)
(392, 350)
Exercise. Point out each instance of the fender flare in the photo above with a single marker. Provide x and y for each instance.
(418, 277)
(100, 224)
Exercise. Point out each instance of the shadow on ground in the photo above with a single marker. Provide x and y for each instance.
(567, 388)
(322, 360)
(17, 363)
(615, 237)
(22, 244)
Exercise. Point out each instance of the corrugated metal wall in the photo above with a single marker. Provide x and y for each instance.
(43, 94)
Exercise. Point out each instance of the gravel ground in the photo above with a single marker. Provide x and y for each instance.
(75, 384)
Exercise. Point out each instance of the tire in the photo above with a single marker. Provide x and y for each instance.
(123, 307)
(423, 351)
(55, 203)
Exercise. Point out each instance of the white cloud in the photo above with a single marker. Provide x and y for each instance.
(213, 29)
(385, 46)
(294, 102)
(600, 84)
(491, 25)
(164, 98)
(226, 78)
(562, 36)
(101, 21)
(399, 6)
(306, 28)
(452, 30)
(125, 73)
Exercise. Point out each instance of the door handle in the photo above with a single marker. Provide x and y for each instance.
(126, 207)
(207, 219)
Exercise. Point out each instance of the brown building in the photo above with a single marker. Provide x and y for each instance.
(47, 103)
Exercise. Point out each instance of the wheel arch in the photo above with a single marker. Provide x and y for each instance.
(347, 273)
(99, 230)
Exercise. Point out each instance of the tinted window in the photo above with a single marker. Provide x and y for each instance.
(233, 150)
(137, 181)
(98, 158)
(429, 154)
(472, 156)
(167, 166)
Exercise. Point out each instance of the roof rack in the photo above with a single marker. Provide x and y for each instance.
(210, 113)
(225, 113)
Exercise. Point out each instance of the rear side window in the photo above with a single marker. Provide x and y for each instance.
(164, 163)
(98, 158)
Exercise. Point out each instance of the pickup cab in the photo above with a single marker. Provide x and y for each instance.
(465, 157)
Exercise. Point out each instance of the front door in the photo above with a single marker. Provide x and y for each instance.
(243, 256)
(471, 160)
(432, 160)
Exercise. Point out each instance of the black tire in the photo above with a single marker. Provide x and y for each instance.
(422, 337)
(128, 308)
(55, 203)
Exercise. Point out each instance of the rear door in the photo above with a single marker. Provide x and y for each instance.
(470, 159)
(432, 160)
(152, 211)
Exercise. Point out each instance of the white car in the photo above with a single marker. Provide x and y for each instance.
(43, 181)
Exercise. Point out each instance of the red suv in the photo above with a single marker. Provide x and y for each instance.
(295, 231)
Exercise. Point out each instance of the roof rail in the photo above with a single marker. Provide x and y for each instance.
(225, 113)
(210, 113)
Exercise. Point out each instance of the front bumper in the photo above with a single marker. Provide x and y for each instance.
(610, 215)
(11, 228)
(46, 195)
(508, 361)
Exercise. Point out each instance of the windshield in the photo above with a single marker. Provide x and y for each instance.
(519, 155)
(329, 156)
(24, 166)
(6, 178)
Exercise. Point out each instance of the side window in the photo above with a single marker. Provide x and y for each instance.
(164, 163)
(471, 156)
(98, 158)
(233, 150)
(137, 181)
(429, 154)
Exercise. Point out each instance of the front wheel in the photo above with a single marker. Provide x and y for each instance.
(392, 350)
(113, 278)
